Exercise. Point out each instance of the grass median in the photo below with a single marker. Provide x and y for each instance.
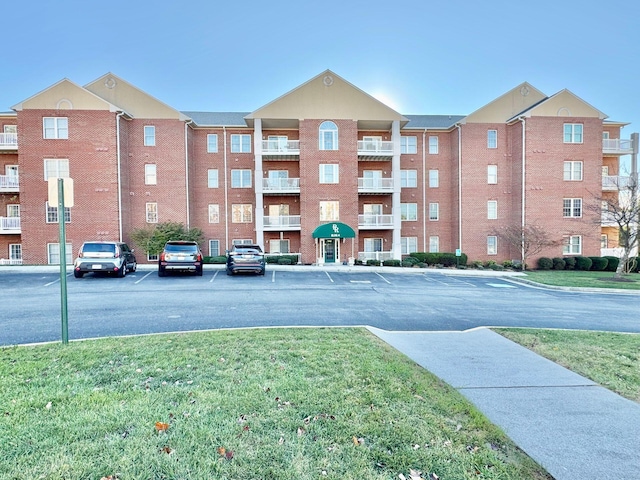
(588, 279)
(270, 404)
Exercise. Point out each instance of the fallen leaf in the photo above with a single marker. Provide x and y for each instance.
(228, 455)
(355, 441)
(300, 431)
(49, 405)
(222, 450)
(162, 427)
(166, 449)
(415, 475)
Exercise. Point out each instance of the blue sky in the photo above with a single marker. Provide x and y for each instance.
(419, 56)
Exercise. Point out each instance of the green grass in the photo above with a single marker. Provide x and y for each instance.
(282, 403)
(609, 359)
(578, 278)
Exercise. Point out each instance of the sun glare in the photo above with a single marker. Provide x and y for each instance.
(387, 100)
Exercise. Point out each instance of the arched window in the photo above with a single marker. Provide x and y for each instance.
(328, 136)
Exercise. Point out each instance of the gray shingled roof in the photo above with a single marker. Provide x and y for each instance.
(218, 119)
(432, 121)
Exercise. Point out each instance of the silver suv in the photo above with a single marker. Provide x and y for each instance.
(107, 257)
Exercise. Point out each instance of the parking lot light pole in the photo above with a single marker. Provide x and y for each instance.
(63, 264)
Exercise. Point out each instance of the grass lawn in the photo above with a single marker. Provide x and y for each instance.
(609, 359)
(246, 404)
(578, 278)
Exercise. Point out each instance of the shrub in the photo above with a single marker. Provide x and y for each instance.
(570, 263)
(374, 263)
(440, 258)
(559, 263)
(358, 262)
(409, 261)
(583, 263)
(545, 263)
(598, 263)
(496, 267)
(477, 264)
(217, 259)
(391, 263)
(284, 261)
(275, 259)
(612, 263)
(507, 264)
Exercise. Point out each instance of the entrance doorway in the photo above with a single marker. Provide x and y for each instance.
(331, 248)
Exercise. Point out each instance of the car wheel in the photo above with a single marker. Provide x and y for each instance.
(134, 267)
(122, 271)
(78, 274)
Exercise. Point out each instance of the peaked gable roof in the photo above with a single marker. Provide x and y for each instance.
(327, 96)
(65, 95)
(563, 104)
(508, 105)
(130, 98)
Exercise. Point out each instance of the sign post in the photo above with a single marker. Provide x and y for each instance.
(458, 255)
(57, 195)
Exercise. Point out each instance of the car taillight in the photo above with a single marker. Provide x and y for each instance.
(199, 257)
(162, 257)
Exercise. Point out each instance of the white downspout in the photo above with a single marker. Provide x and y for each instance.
(186, 171)
(424, 191)
(524, 163)
(226, 191)
(459, 186)
(119, 175)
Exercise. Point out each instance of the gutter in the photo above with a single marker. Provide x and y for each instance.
(118, 116)
(186, 171)
(424, 191)
(524, 164)
(226, 191)
(457, 125)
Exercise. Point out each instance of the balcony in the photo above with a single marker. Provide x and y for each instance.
(10, 225)
(281, 223)
(9, 183)
(375, 222)
(375, 149)
(10, 261)
(281, 150)
(617, 146)
(607, 220)
(375, 185)
(613, 183)
(381, 256)
(8, 141)
(279, 186)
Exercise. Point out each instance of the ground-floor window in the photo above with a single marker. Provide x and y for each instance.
(278, 246)
(152, 257)
(53, 253)
(492, 245)
(409, 245)
(373, 245)
(214, 248)
(15, 252)
(572, 245)
(434, 244)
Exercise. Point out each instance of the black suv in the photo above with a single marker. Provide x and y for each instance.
(245, 258)
(109, 257)
(180, 255)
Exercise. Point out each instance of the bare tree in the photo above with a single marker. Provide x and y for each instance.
(622, 209)
(529, 239)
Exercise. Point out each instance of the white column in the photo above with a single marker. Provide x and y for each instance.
(396, 248)
(257, 175)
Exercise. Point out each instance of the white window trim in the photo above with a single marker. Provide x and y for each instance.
(211, 136)
(242, 178)
(213, 252)
(241, 144)
(434, 206)
(329, 214)
(571, 170)
(408, 145)
(334, 135)
(149, 138)
(568, 245)
(434, 147)
(492, 210)
(574, 203)
(68, 253)
(408, 245)
(211, 184)
(492, 142)
(409, 211)
(408, 178)
(492, 174)
(335, 173)
(150, 174)
(245, 214)
(573, 133)
(492, 247)
(434, 178)
(214, 213)
(151, 212)
(57, 129)
(56, 172)
(54, 211)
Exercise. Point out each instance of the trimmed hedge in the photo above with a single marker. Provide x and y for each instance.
(598, 263)
(612, 263)
(559, 263)
(570, 263)
(217, 259)
(391, 263)
(440, 258)
(545, 263)
(275, 259)
(583, 263)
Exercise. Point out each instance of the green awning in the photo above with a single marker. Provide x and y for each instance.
(334, 230)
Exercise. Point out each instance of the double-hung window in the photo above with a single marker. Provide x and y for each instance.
(572, 245)
(53, 253)
(150, 176)
(329, 211)
(572, 133)
(328, 136)
(55, 128)
(492, 245)
(434, 178)
(149, 136)
(212, 143)
(52, 214)
(433, 145)
(212, 178)
(492, 174)
(241, 213)
(492, 209)
(214, 213)
(434, 211)
(56, 168)
(408, 245)
(408, 178)
(329, 173)
(214, 248)
(572, 171)
(240, 143)
(240, 178)
(408, 144)
(151, 209)
(409, 212)
(434, 244)
(492, 139)
(572, 207)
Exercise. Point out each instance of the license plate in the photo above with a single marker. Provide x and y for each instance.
(96, 266)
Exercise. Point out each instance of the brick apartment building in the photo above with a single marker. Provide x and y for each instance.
(325, 171)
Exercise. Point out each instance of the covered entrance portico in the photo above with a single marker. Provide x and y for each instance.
(329, 239)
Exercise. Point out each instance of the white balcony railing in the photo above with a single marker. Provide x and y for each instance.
(9, 224)
(10, 261)
(376, 148)
(374, 185)
(611, 252)
(9, 183)
(372, 221)
(282, 222)
(615, 182)
(281, 147)
(617, 146)
(381, 256)
(281, 185)
(8, 141)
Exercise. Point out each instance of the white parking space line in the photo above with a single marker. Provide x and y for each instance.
(331, 279)
(383, 278)
(214, 276)
(431, 279)
(501, 285)
(465, 282)
(138, 281)
(273, 277)
(359, 281)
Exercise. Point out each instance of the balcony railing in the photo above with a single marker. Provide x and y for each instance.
(373, 222)
(611, 252)
(375, 185)
(281, 185)
(10, 261)
(280, 147)
(378, 148)
(282, 222)
(9, 183)
(615, 182)
(10, 225)
(8, 141)
(381, 256)
(617, 146)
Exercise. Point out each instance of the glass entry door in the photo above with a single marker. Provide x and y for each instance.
(330, 250)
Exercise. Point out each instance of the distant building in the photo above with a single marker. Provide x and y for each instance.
(325, 171)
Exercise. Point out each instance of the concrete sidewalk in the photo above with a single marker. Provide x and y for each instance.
(571, 426)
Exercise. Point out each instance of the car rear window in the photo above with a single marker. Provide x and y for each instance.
(99, 248)
(180, 247)
(249, 250)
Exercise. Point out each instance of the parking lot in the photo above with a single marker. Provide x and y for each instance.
(392, 299)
